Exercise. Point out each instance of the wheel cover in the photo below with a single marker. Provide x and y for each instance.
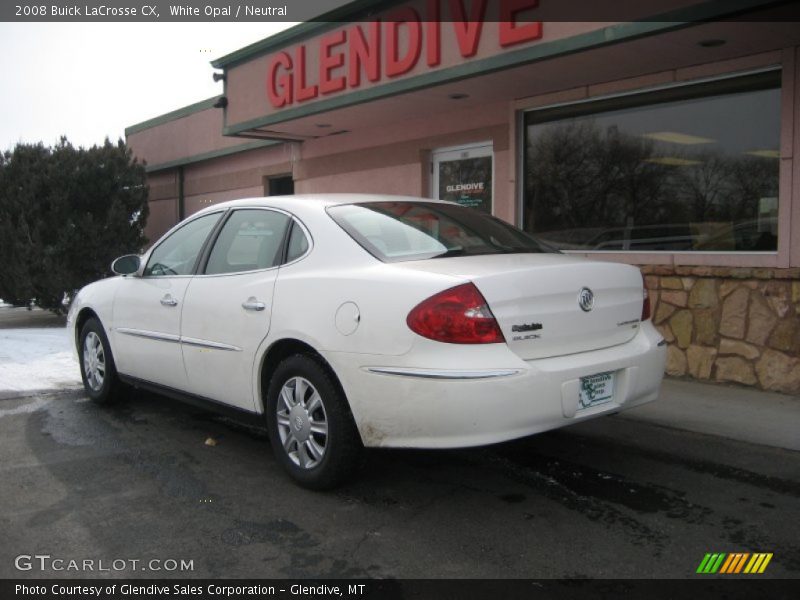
(302, 423)
(94, 361)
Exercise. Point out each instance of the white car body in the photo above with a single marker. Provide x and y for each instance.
(404, 390)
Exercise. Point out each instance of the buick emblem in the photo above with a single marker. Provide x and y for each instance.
(586, 299)
(298, 423)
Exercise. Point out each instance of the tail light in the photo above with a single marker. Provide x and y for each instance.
(645, 305)
(459, 315)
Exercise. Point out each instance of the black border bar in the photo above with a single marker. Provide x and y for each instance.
(356, 10)
(706, 587)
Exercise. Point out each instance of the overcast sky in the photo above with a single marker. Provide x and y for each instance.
(91, 80)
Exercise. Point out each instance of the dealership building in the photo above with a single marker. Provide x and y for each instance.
(666, 141)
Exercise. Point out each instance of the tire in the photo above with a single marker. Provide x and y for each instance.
(98, 371)
(311, 428)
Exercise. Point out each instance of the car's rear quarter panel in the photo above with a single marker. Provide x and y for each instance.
(415, 412)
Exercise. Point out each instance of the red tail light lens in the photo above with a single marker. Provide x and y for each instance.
(645, 306)
(459, 315)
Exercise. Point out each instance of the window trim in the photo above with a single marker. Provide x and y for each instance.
(200, 271)
(766, 258)
(296, 223)
(665, 88)
(212, 240)
(212, 234)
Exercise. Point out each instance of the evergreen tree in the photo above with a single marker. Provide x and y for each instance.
(65, 214)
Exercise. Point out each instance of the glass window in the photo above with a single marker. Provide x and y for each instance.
(177, 254)
(398, 231)
(298, 243)
(249, 240)
(682, 169)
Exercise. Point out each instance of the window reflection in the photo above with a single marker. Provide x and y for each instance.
(692, 174)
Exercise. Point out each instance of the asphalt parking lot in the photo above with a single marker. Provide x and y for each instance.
(614, 497)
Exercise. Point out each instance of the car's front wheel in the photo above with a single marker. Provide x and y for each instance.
(97, 363)
(310, 425)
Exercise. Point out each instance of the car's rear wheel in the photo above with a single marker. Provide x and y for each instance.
(97, 363)
(310, 425)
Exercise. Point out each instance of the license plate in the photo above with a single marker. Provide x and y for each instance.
(596, 389)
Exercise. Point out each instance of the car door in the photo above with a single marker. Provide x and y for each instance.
(228, 307)
(147, 307)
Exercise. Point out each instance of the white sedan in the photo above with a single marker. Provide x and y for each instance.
(349, 320)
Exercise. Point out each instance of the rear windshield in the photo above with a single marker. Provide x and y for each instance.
(400, 231)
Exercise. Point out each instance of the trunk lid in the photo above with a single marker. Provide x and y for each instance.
(535, 299)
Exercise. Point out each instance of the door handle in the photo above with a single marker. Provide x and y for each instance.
(168, 300)
(252, 303)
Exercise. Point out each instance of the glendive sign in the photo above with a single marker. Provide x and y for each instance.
(387, 48)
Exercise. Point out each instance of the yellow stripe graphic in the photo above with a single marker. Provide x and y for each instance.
(753, 564)
(756, 566)
(764, 564)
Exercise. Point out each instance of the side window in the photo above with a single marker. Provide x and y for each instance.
(298, 243)
(177, 254)
(250, 240)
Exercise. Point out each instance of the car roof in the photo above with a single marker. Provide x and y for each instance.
(321, 201)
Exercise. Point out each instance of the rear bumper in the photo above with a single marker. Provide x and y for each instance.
(466, 403)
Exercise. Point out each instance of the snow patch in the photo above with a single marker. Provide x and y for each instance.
(37, 358)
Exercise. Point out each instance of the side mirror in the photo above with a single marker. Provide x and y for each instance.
(126, 265)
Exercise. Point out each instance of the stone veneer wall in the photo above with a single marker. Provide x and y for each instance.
(729, 324)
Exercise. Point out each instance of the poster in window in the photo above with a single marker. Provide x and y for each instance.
(467, 181)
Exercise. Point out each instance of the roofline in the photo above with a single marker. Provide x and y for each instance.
(324, 199)
(174, 115)
(702, 11)
(195, 158)
(325, 21)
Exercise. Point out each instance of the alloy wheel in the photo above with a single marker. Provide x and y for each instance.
(94, 361)
(302, 423)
